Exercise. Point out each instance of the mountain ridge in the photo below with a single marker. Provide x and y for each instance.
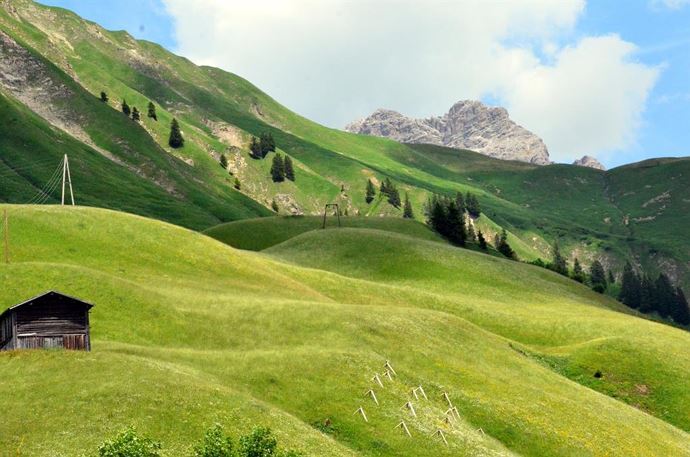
(468, 124)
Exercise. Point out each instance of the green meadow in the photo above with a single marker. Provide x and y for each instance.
(188, 331)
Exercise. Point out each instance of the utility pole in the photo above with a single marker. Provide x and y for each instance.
(6, 233)
(66, 179)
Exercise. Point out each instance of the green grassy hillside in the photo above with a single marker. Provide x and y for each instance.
(188, 331)
(261, 233)
(596, 215)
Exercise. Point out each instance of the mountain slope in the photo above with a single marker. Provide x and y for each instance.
(187, 333)
(587, 210)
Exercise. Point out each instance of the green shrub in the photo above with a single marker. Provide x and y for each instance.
(259, 443)
(214, 444)
(128, 444)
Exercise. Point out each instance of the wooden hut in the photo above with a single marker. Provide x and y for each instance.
(50, 320)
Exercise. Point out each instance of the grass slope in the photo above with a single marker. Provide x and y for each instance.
(188, 331)
(592, 212)
(261, 233)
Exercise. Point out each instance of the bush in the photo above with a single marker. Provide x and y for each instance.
(129, 444)
(259, 443)
(214, 444)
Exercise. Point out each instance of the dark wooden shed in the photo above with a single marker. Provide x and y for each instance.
(50, 320)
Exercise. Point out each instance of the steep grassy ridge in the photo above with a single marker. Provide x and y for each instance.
(188, 331)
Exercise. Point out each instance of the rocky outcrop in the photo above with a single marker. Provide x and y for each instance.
(467, 125)
(590, 162)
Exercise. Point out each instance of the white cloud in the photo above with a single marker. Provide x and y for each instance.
(335, 60)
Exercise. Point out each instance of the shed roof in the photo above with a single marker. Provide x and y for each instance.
(50, 292)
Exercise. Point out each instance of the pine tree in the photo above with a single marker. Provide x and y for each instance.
(630, 293)
(680, 311)
(237, 184)
(394, 196)
(472, 205)
(598, 277)
(455, 224)
(503, 246)
(482, 241)
(176, 139)
(385, 185)
(266, 144)
(647, 294)
(559, 263)
(152, 111)
(407, 211)
(611, 279)
(135, 114)
(255, 148)
(664, 296)
(289, 170)
(223, 162)
(370, 192)
(578, 272)
(460, 202)
(104, 97)
(278, 169)
(125, 108)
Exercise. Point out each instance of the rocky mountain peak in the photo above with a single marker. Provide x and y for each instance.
(589, 161)
(469, 124)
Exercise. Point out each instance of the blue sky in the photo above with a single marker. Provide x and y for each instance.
(336, 61)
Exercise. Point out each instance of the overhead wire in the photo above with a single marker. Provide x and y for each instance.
(44, 193)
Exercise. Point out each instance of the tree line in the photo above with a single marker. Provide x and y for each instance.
(638, 291)
(641, 292)
(260, 442)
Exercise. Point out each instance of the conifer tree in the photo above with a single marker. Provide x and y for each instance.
(394, 196)
(503, 246)
(266, 144)
(611, 279)
(104, 97)
(455, 224)
(237, 184)
(472, 205)
(370, 192)
(125, 108)
(482, 241)
(647, 294)
(559, 264)
(223, 162)
(680, 311)
(176, 139)
(460, 202)
(407, 211)
(135, 114)
(385, 185)
(289, 170)
(630, 293)
(598, 277)
(578, 272)
(152, 111)
(278, 169)
(255, 148)
(664, 296)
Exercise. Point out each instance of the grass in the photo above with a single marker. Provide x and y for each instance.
(188, 331)
(594, 214)
(262, 233)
